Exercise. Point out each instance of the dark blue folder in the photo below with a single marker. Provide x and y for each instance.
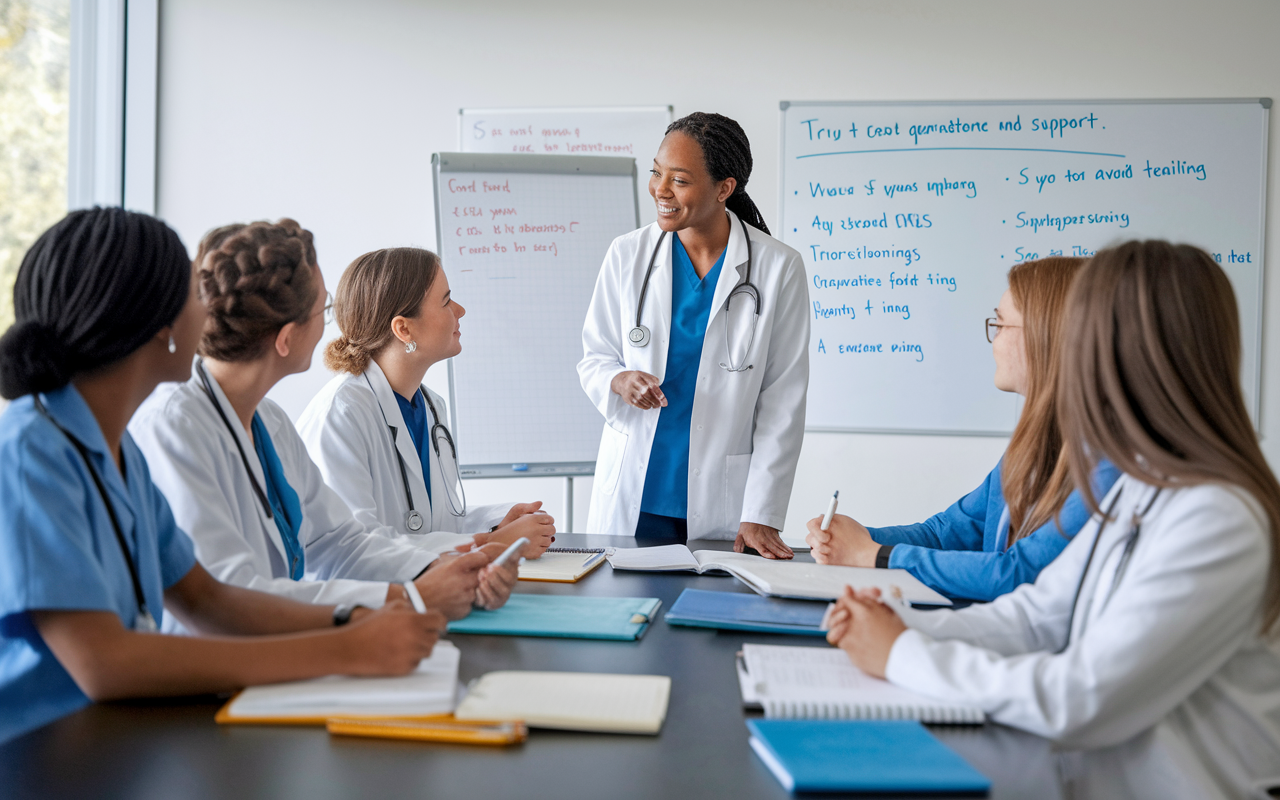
(893, 756)
(740, 611)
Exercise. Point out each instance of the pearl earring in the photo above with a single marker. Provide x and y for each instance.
(173, 346)
(410, 347)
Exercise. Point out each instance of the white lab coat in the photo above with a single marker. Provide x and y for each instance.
(194, 462)
(1165, 663)
(345, 430)
(747, 427)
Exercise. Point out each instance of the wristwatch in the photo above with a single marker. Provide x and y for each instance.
(882, 556)
(342, 614)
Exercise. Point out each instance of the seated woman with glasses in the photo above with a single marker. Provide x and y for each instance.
(377, 434)
(1003, 533)
(238, 475)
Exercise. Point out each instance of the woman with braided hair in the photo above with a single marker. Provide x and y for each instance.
(238, 474)
(696, 353)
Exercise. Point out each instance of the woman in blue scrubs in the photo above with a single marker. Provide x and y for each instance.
(695, 352)
(1003, 533)
(90, 557)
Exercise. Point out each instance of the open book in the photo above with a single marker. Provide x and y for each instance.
(430, 689)
(573, 701)
(800, 579)
(819, 682)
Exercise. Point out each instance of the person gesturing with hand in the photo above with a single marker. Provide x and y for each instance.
(639, 389)
(695, 352)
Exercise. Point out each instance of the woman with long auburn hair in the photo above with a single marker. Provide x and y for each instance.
(1003, 533)
(1154, 633)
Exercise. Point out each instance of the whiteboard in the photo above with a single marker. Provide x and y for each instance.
(909, 216)
(634, 131)
(521, 240)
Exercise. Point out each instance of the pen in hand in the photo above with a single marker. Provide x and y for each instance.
(831, 510)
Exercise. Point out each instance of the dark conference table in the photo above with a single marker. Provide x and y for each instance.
(173, 749)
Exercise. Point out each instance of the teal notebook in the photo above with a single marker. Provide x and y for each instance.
(890, 756)
(568, 617)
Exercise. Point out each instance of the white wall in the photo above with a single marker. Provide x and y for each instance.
(329, 112)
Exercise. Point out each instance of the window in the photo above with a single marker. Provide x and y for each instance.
(35, 103)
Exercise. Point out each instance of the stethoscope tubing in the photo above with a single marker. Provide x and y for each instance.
(639, 335)
(413, 515)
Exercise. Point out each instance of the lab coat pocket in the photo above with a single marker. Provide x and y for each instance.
(736, 469)
(613, 446)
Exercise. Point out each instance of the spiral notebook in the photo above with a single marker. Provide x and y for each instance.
(821, 683)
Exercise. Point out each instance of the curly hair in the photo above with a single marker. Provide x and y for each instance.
(254, 279)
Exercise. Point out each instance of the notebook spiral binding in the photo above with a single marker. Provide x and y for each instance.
(789, 709)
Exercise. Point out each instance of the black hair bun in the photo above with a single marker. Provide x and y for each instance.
(33, 359)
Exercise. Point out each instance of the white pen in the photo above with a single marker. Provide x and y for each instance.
(831, 510)
(510, 551)
(415, 597)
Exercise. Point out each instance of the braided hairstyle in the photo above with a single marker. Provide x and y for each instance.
(93, 289)
(254, 279)
(727, 154)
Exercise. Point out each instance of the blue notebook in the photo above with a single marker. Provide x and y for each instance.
(889, 756)
(567, 617)
(738, 611)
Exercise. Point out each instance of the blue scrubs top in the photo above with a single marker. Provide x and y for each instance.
(285, 508)
(963, 552)
(666, 484)
(415, 417)
(58, 550)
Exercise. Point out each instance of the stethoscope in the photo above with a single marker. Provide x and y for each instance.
(639, 335)
(244, 459)
(144, 621)
(1130, 543)
(413, 519)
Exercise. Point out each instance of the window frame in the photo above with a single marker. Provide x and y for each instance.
(111, 159)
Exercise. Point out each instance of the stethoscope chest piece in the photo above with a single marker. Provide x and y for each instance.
(413, 521)
(638, 336)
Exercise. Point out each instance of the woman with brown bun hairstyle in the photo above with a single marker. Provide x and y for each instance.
(1003, 533)
(379, 435)
(1154, 633)
(235, 470)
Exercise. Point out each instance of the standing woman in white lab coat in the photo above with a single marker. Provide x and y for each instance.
(695, 350)
(1153, 634)
(235, 470)
(377, 434)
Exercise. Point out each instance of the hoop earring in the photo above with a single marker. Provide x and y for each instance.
(173, 346)
(410, 347)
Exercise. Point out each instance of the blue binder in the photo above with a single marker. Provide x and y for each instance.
(861, 756)
(566, 617)
(740, 611)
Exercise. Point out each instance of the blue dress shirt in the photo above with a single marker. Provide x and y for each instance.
(666, 483)
(963, 552)
(58, 550)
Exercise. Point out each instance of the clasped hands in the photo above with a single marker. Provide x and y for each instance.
(864, 628)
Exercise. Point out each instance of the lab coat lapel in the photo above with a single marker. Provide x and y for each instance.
(391, 411)
(251, 455)
(735, 265)
(657, 311)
